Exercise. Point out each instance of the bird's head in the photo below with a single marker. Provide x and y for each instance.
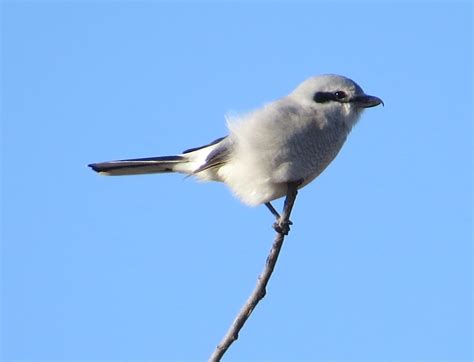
(339, 97)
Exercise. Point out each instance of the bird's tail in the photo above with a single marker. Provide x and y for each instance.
(139, 166)
(189, 162)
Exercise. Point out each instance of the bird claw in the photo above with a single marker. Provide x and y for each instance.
(282, 227)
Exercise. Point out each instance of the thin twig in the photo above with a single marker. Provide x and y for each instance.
(282, 228)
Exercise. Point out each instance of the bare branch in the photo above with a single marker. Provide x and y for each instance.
(282, 228)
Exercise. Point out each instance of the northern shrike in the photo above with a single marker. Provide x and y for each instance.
(290, 140)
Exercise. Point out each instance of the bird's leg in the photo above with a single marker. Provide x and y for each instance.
(272, 210)
(282, 225)
(276, 214)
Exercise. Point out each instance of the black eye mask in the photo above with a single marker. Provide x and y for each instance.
(323, 97)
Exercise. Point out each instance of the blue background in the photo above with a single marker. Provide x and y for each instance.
(378, 265)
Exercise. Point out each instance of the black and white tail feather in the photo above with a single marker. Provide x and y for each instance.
(191, 162)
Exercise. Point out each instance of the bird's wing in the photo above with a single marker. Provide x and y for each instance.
(218, 156)
(189, 150)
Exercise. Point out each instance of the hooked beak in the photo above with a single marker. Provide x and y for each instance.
(366, 101)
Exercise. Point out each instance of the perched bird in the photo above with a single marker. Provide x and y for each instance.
(290, 140)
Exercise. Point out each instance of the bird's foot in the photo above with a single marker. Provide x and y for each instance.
(282, 227)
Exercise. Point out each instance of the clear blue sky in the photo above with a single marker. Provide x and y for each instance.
(378, 265)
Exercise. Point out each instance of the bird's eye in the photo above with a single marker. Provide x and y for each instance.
(323, 97)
